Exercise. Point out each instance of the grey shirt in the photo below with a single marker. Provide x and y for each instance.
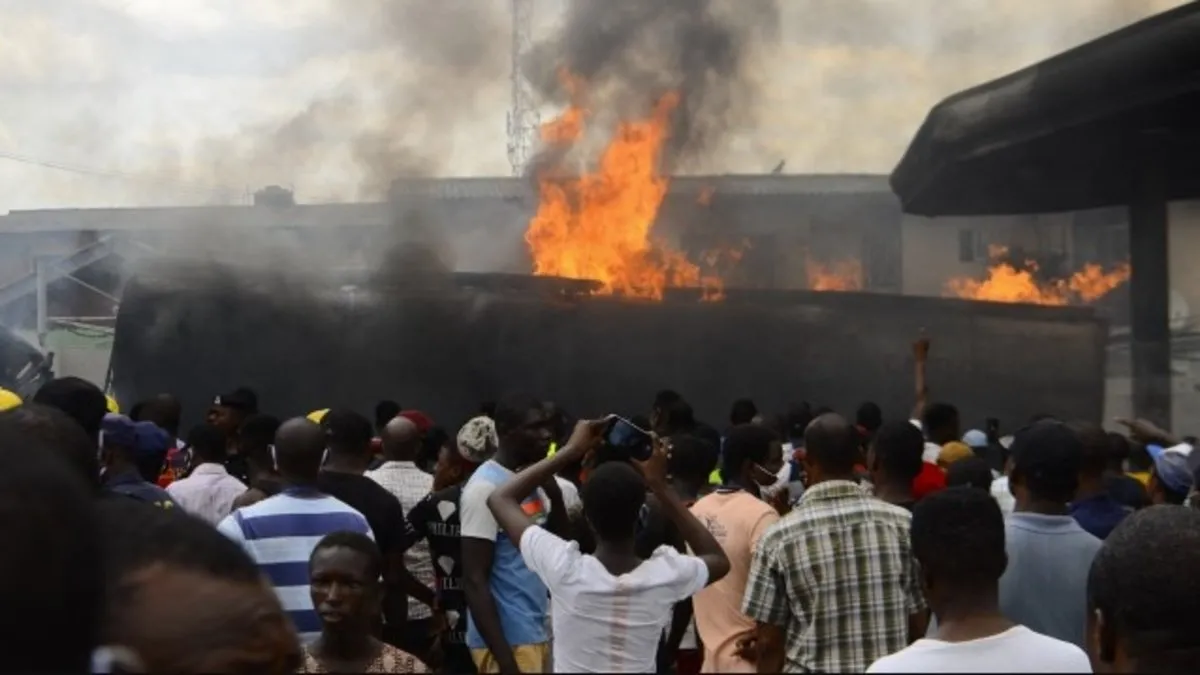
(1044, 587)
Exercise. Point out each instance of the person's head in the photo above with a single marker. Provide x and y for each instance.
(61, 434)
(208, 444)
(255, 439)
(299, 451)
(895, 454)
(475, 444)
(1171, 479)
(972, 472)
(51, 585)
(746, 450)
(612, 501)
(228, 411)
(743, 411)
(831, 449)
(675, 416)
(664, 399)
(348, 436)
(940, 423)
(401, 440)
(432, 443)
(976, 440)
(869, 417)
(183, 598)
(1045, 461)
(958, 539)
(1143, 592)
(79, 399)
(523, 428)
(1119, 451)
(344, 580)
(384, 412)
(1139, 458)
(1097, 449)
(137, 445)
(692, 459)
(164, 410)
(797, 419)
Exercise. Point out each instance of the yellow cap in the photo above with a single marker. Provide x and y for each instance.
(317, 415)
(113, 407)
(954, 451)
(8, 400)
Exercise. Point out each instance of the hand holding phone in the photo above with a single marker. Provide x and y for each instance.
(625, 435)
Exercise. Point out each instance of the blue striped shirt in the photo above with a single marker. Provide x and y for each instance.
(280, 534)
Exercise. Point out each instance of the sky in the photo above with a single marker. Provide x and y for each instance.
(203, 101)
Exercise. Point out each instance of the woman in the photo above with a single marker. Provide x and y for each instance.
(344, 579)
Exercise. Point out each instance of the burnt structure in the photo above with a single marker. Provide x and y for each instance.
(447, 342)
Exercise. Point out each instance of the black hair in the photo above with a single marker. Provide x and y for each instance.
(347, 432)
(797, 419)
(1046, 460)
(431, 445)
(676, 417)
(385, 411)
(745, 443)
(355, 541)
(79, 399)
(899, 447)
(958, 538)
(869, 416)
(613, 497)
(939, 417)
(488, 409)
(774, 423)
(164, 411)
(512, 410)
(707, 434)
(256, 436)
(250, 397)
(1143, 582)
(61, 434)
(692, 458)
(666, 397)
(1139, 458)
(743, 411)
(1097, 448)
(972, 472)
(832, 444)
(208, 443)
(1119, 450)
(50, 579)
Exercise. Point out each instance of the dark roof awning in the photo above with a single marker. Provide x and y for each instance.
(1067, 133)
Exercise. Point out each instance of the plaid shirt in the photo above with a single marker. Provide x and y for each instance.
(410, 485)
(838, 575)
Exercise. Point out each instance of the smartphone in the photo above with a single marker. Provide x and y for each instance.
(625, 435)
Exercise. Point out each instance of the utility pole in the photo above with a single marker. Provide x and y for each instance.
(523, 118)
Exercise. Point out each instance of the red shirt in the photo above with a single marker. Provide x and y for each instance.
(930, 480)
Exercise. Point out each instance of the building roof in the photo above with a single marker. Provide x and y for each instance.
(379, 214)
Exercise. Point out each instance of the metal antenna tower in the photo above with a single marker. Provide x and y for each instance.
(523, 118)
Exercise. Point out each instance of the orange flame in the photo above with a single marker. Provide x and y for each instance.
(1006, 283)
(598, 225)
(839, 275)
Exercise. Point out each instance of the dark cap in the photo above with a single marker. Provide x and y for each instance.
(346, 428)
(141, 438)
(1047, 455)
(240, 399)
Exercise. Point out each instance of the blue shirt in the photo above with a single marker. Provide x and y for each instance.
(520, 596)
(1044, 586)
(280, 534)
(1099, 514)
(131, 484)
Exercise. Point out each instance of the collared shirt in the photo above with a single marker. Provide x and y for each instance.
(838, 575)
(131, 484)
(410, 485)
(208, 493)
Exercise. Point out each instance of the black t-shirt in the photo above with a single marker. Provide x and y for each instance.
(435, 518)
(386, 518)
(238, 467)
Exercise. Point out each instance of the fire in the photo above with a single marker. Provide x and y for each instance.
(597, 225)
(839, 275)
(1006, 283)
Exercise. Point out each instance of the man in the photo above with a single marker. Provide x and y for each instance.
(79, 399)
(130, 459)
(1143, 594)
(973, 472)
(184, 599)
(1127, 490)
(737, 517)
(348, 437)
(385, 411)
(958, 539)
(895, 461)
(834, 586)
(506, 628)
(1094, 507)
(165, 411)
(279, 532)
(227, 413)
(400, 476)
(255, 441)
(743, 411)
(61, 435)
(209, 491)
(436, 519)
(1044, 586)
(1171, 479)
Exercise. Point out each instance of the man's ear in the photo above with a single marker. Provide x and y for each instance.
(1101, 638)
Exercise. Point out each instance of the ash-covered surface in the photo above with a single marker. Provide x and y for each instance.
(445, 343)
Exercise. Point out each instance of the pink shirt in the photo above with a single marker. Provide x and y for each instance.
(208, 493)
(737, 520)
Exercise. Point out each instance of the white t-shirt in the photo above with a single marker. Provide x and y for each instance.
(1016, 650)
(607, 624)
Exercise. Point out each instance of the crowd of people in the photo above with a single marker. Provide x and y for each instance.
(526, 541)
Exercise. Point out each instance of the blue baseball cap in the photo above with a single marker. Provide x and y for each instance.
(1174, 467)
(143, 438)
(975, 439)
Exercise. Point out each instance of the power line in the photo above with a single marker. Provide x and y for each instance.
(114, 175)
